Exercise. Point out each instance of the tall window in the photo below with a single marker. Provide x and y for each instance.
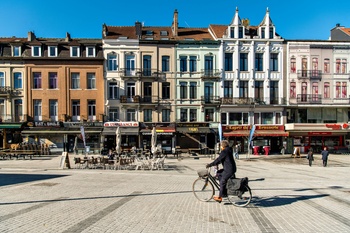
(37, 110)
(17, 80)
(343, 66)
(147, 92)
(36, 51)
(228, 62)
(130, 115)
(53, 110)
(259, 61)
(193, 114)
(147, 65)
(293, 91)
(91, 81)
(18, 109)
(193, 63)
(228, 89)
(209, 115)
(326, 92)
(243, 61)
(193, 90)
(340, 90)
(2, 109)
(240, 32)
(183, 90)
(37, 80)
(130, 65)
(75, 110)
(183, 114)
(303, 91)
(112, 63)
(166, 90)
(2, 79)
(52, 51)
(165, 63)
(53, 80)
(274, 61)
(243, 89)
(274, 92)
(232, 32)
(165, 115)
(209, 65)
(130, 89)
(293, 65)
(16, 51)
(259, 90)
(271, 33)
(113, 90)
(75, 51)
(262, 33)
(92, 109)
(326, 65)
(113, 114)
(304, 67)
(147, 115)
(183, 63)
(90, 51)
(314, 91)
(75, 80)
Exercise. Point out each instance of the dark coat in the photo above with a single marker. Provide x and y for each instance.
(227, 161)
(310, 155)
(324, 154)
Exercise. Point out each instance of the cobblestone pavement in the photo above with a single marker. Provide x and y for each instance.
(36, 196)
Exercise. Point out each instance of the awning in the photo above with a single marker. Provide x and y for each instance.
(160, 131)
(257, 133)
(123, 131)
(11, 125)
(193, 130)
(37, 130)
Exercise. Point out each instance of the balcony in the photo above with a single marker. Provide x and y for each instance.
(9, 91)
(210, 74)
(310, 74)
(210, 100)
(129, 73)
(129, 99)
(309, 99)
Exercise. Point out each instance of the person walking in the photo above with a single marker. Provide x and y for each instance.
(236, 150)
(310, 156)
(229, 164)
(325, 155)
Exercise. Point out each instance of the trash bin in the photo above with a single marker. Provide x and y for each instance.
(267, 150)
(256, 150)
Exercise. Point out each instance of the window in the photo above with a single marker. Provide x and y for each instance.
(53, 110)
(112, 63)
(340, 90)
(37, 80)
(37, 110)
(303, 91)
(53, 80)
(52, 51)
(259, 91)
(183, 63)
(274, 62)
(304, 67)
(90, 51)
(2, 79)
(343, 66)
(147, 92)
(274, 92)
(165, 115)
(238, 118)
(92, 110)
(183, 90)
(278, 118)
(183, 114)
(36, 51)
(130, 89)
(76, 110)
(113, 114)
(147, 115)
(243, 89)
(228, 89)
(91, 81)
(208, 65)
(271, 33)
(163, 33)
(75, 80)
(75, 51)
(293, 90)
(228, 62)
(147, 65)
(259, 62)
(193, 90)
(130, 65)
(209, 115)
(165, 63)
(166, 90)
(17, 80)
(326, 93)
(16, 51)
(314, 91)
(130, 115)
(2, 109)
(18, 110)
(266, 118)
(240, 32)
(326, 65)
(243, 62)
(232, 32)
(292, 65)
(193, 63)
(113, 91)
(262, 33)
(224, 118)
(193, 115)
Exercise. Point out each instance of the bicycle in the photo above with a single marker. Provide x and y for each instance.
(203, 189)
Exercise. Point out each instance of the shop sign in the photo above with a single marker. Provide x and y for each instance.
(85, 124)
(192, 125)
(319, 133)
(337, 126)
(248, 127)
(121, 124)
(45, 124)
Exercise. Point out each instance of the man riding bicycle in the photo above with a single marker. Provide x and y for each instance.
(229, 168)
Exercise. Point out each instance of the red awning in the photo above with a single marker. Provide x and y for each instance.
(257, 133)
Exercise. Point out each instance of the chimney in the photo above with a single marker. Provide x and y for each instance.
(67, 37)
(138, 27)
(104, 30)
(31, 36)
(175, 24)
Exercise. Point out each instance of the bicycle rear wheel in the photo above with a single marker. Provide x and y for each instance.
(203, 189)
(242, 199)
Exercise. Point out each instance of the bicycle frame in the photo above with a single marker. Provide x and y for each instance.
(213, 180)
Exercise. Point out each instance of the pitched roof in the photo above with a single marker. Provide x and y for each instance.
(218, 30)
(346, 30)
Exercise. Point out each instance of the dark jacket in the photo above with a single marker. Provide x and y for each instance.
(324, 154)
(227, 161)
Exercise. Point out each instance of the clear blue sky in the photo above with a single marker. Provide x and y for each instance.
(297, 19)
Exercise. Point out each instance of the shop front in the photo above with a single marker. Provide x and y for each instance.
(267, 139)
(129, 134)
(165, 135)
(317, 136)
(10, 133)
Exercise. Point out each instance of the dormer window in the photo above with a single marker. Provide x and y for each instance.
(16, 51)
(149, 33)
(240, 32)
(90, 51)
(36, 51)
(271, 33)
(232, 32)
(263, 33)
(75, 51)
(52, 51)
(163, 33)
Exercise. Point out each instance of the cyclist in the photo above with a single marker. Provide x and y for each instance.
(229, 168)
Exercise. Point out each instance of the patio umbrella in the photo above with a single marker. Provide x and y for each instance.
(75, 147)
(118, 141)
(154, 141)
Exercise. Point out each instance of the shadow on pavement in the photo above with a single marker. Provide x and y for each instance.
(283, 200)
(10, 179)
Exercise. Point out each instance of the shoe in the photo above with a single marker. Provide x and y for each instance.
(218, 199)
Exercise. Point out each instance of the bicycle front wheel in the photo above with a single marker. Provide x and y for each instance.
(242, 197)
(203, 189)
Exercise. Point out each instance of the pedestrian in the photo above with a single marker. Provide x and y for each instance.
(310, 156)
(325, 154)
(236, 150)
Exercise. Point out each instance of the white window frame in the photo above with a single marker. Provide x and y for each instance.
(16, 49)
(113, 114)
(53, 110)
(73, 50)
(75, 80)
(113, 91)
(112, 62)
(76, 109)
(2, 79)
(55, 51)
(36, 51)
(92, 110)
(88, 51)
(37, 110)
(19, 80)
(91, 80)
(3, 109)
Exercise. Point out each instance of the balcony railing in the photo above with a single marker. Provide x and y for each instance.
(310, 74)
(309, 98)
(130, 99)
(7, 90)
(210, 74)
(210, 100)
